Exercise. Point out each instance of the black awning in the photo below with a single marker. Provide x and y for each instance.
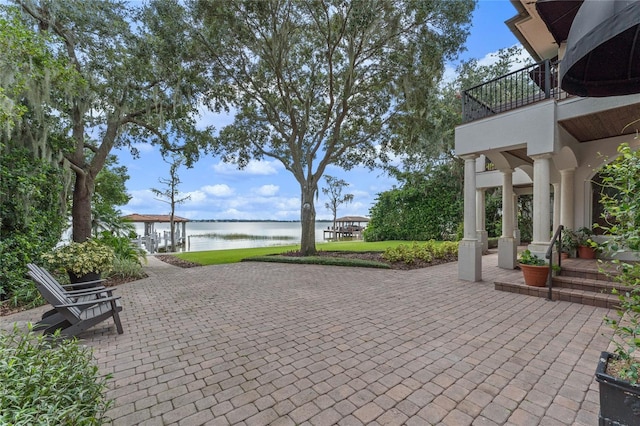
(603, 50)
(558, 16)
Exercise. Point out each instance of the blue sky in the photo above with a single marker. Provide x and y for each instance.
(264, 189)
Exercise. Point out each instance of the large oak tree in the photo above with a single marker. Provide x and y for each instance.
(139, 82)
(325, 82)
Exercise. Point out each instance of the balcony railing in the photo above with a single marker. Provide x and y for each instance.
(526, 86)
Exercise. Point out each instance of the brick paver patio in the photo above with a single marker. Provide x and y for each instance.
(264, 343)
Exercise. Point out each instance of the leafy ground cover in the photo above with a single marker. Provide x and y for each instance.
(343, 253)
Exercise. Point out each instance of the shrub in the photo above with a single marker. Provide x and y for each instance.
(31, 219)
(123, 247)
(49, 382)
(82, 258)
(420, 251)
(125, 267)
(621, 204)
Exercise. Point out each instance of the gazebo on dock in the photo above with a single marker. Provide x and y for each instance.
(150, 238)
(347, 226)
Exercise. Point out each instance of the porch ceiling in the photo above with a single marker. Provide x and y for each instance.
(521, 154)
(603, 124)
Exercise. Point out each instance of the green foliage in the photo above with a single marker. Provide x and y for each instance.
(334, 192)
(82, 258)
(49, 382)
(123, 247)
(110, 192)
(125, 267)
(528, 258)
(621, 204)
(321, 260)
(421, 251)
(426, 206)
(569, 240)
(31, 222)
(326, 83)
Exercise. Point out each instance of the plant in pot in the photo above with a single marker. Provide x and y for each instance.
(569, 242)
(82, 261)
(534, 269)
(618, 373)
(587, 247)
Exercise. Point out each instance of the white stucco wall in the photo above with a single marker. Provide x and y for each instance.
(532, 126)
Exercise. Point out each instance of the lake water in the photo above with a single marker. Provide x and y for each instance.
(210, 235)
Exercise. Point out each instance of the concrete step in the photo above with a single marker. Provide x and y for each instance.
(585, 297)
(580, 281)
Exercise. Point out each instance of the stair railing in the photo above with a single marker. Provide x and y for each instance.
(556, 240)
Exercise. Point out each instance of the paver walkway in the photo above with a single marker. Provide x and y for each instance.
(265, 343)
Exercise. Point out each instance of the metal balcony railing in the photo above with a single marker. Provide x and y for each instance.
(526, 86)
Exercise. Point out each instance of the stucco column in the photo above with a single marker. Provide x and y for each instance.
(541, 205)
(566, 202)
(506, 243)
(470, 249)
(470, 197)
(483, 235)
(557, 197)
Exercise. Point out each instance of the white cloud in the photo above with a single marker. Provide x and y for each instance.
(267, 190)
(142, 197)
(521, 58)
(219, 190)
(261, 168)
(195, 197)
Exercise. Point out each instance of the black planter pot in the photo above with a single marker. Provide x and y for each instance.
(619, 400)
(80, 279)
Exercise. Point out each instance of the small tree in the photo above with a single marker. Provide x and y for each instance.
(334, 192)
(170, 194)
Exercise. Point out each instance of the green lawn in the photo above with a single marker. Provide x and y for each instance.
(218, 257)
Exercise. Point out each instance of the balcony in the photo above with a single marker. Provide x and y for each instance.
(517, 89)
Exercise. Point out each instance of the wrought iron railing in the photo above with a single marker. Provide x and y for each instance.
(556, 242)
(526, 86)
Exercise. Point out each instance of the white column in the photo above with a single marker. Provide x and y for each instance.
(470, 249)
(481, 231)
(566, 201)
(470, 197)
(541, 205)
(507, 203)
(557, 197)
(506, 243)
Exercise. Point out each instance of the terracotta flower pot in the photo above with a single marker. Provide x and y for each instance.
(586, 252)
(535, 276)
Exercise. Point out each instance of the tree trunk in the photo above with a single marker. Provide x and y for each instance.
(308, 220)
(81, 209)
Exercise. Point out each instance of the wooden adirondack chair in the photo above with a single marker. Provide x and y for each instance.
(74, 311)
(94, 291)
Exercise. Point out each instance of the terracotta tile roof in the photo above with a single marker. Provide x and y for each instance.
(135, 217)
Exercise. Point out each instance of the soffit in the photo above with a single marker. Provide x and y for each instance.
(603, 124)
(521, 154)
(530, 29)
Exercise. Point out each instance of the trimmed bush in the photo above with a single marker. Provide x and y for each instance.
(421, 251)
(49, 382)
(126, 267)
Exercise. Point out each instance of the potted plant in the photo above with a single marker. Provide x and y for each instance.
(587, 247)
(569, 242)
(82, 261)
(534, 269)
(618, 373)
